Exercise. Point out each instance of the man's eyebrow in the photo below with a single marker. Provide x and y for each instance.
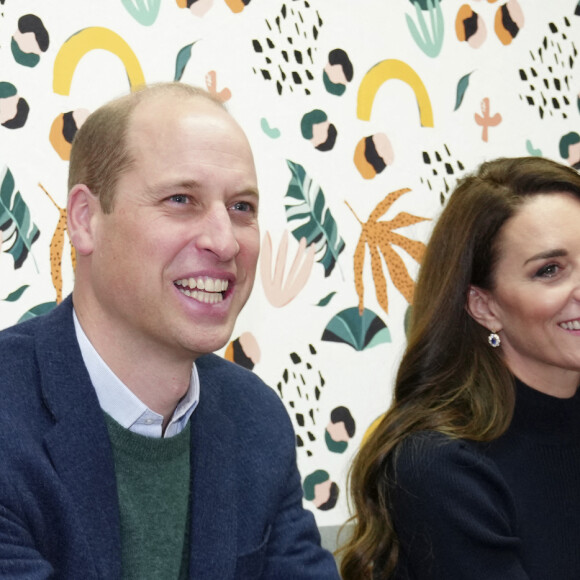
(162, 186)
(191, 185)
(250, 191)
(558, 253)
(184, 184)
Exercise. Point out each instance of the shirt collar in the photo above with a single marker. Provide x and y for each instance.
(118, 401)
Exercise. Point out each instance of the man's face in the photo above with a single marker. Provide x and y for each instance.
(174, 263)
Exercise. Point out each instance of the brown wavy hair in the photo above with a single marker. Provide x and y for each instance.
(100, 154)
(449, 379)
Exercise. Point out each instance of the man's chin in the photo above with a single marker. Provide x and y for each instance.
(199, 348)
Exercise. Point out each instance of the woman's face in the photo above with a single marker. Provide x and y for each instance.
(536, 296)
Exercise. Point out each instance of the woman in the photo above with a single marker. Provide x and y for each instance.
(474, 472)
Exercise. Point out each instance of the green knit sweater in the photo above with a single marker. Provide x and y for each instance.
(153, 482)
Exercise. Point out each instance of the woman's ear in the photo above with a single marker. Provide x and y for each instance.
(82, 207)
(481, 308)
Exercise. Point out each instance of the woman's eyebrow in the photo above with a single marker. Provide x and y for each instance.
(547, 255)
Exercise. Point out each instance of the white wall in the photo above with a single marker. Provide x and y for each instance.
(386, 59)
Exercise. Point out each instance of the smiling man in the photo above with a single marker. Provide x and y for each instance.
(128, 449)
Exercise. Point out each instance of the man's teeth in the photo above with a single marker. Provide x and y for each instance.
(204, 283)
(204, 289)
(573, 325)
(207, 297)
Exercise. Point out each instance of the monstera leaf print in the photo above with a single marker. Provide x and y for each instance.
(380, 238)
(18, 231)
(306, 208)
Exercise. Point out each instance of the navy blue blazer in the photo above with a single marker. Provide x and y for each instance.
(59, 514)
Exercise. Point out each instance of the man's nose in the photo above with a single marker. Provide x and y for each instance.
(218, 234)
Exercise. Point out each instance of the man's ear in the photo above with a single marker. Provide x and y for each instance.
(481, 308)
(82, 209)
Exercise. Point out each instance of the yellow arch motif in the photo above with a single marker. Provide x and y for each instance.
(84, 41)
(371, 428)
(393, 69)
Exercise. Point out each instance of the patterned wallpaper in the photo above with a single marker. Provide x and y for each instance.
(362, 115)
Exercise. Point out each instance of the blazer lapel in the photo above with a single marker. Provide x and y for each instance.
(213, 498)
(78, 444)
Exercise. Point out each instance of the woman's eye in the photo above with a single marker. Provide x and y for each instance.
(548, 271)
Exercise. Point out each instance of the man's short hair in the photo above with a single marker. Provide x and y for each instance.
(100, 154)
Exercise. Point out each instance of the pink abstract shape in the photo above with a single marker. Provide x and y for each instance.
(486, 120)
(211, 84)
(280, 291)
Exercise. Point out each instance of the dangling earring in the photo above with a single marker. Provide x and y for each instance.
(494, 339)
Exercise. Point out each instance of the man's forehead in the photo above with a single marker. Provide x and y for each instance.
(162, 129)
(173, 104)
(165, 114)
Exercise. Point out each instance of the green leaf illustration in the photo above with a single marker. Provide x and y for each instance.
(38, 310)
(305, 205)
(182, 59)
(326, 299)
(360, 332)
(429, 41)
(461, 88)
(18, 231)
(14, 296)
(143, 11)
(424, 4)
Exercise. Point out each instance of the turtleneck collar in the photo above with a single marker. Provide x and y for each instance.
(553, 420)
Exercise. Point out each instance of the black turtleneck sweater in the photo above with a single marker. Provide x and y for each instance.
(505, 510)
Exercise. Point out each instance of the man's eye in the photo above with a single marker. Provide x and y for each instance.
(179, 198)
(243, 206)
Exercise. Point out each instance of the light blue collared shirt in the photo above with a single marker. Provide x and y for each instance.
(118, 401)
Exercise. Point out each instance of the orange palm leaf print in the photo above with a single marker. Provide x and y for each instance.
(380, 238)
